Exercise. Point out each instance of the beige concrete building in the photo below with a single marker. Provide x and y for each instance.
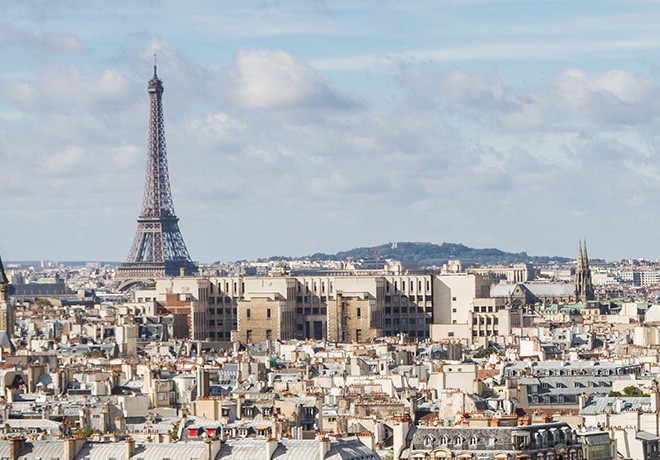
(454, 298)
(341, 307)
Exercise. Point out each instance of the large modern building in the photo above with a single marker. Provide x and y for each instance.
(334, 307)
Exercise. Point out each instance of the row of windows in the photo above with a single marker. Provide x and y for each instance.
(398, 321)
(248, 334)
(314, 287)
(459, 440)
(312, 310)
(487, 320)
(220, 311)
(486, 308)
(483, 333)
(573, 371)
(411, 309)
(219, 335)
(220, 300)
(553, 399)
(411, 286)
(582, 383)
(407, 299)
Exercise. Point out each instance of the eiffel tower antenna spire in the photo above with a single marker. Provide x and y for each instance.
(158, 249)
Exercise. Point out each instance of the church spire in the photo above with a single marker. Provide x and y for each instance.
(3, 276)
(584, 289)
(586, 257)
(6, 311)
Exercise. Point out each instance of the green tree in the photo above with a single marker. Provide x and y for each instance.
(633, 391)
(485, 352)
(85, 432)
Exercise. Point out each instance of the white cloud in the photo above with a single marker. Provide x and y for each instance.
(489, 97)
(275, 79)
(615, 96)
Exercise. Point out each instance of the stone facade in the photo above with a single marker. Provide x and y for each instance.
(556, 441)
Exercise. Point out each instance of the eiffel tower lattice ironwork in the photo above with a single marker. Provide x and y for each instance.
(158, 249)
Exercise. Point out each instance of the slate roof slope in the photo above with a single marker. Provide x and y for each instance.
(34, 450)
(607, 405)
(146, 451)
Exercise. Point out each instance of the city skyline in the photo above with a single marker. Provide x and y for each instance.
(313, 127)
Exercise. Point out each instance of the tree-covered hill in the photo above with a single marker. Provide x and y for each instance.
(430, 254)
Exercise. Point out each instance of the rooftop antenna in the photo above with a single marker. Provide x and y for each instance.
(155, 63)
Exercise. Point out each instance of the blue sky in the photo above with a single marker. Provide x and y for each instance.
(302, 126)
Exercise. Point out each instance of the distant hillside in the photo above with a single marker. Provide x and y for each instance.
(429, 254)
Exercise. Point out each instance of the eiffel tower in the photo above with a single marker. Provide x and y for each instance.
(158, 249)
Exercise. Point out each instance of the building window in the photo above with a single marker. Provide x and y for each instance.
(267, 312)
(247, 313)
(359, 312)
(248, 334)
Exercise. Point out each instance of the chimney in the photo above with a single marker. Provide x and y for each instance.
(69, 448)
(400, 432)
(182, 271)
(582, 400)
(367, 439)
(202, 380)
(130, 447)
(16, 444)
(271, 446)
(655, 400)
(72, 446)
(212, 448)
(239, 406)
(324, 447)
